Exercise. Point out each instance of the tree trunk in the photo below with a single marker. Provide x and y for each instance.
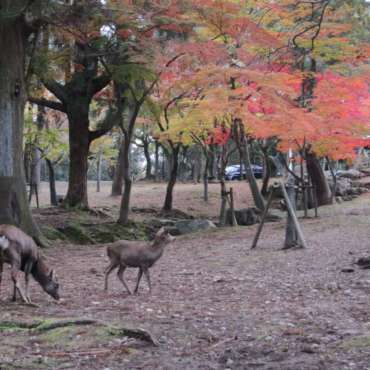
(53, 192)
(319, 181)
(79, 143)
(35, 166)
(197, 165)
(98, 172)
(156, 163)
(14, 207)
(213, 162)
(173, 177)
(205, 178)
(257, 197)
(125, 202)
(266, 173)
(117, 183)
(291, 236)
(148, 171)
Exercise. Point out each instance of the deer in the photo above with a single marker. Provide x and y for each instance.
(21, 252)
(139, 254)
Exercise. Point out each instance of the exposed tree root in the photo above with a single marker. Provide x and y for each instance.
(47, 325)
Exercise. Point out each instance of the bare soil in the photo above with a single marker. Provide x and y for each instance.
(215, 303)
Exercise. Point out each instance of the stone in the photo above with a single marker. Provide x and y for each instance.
(364, 262)
(245, 217)
(350, 174)
(191, 226)
(343, 186)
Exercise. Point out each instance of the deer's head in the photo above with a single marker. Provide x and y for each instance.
(51, 285)
(163, 237)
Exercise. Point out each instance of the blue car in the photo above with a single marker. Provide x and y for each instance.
(233, 172)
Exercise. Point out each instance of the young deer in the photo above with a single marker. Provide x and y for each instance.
(142, 255)
(20, 251)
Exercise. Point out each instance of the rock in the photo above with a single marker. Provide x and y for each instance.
(343, 186)
(350, 174)
(159, 222)
(364, 262)
(308, 349)
(246, 216)
(191, 226)
(347, 269)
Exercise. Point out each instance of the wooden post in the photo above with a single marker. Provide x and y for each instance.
(265, 212)
(293, 216)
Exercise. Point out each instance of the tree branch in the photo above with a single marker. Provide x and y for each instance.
(99, 83)
(55, 88)
(48, 103)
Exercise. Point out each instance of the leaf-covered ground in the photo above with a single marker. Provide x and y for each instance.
(215, 304)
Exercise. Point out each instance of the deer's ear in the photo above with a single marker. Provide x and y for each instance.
(52, 274)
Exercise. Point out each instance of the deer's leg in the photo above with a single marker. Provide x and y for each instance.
(17, 287)
(120, 272)
(147, 276)
(108, 270)
(27, 271)
(139, 275)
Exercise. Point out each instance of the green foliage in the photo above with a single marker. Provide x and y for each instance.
(52, 142)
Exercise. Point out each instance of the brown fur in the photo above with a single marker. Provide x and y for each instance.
(23, 255)
(143, 255)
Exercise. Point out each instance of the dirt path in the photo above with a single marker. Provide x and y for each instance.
(215, 304)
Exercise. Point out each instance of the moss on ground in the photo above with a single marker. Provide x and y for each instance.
(87, 233)
(52, 233)
(362, 341)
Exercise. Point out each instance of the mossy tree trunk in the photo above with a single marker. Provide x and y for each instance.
(14, 207)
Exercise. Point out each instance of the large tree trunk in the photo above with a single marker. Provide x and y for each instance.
(14, 207)
(75, 97)
(79, 143)
(168, 202)
(319, 181)
(117, 183)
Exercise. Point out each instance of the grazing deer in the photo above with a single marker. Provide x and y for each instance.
(143, 255)
(20, 251)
